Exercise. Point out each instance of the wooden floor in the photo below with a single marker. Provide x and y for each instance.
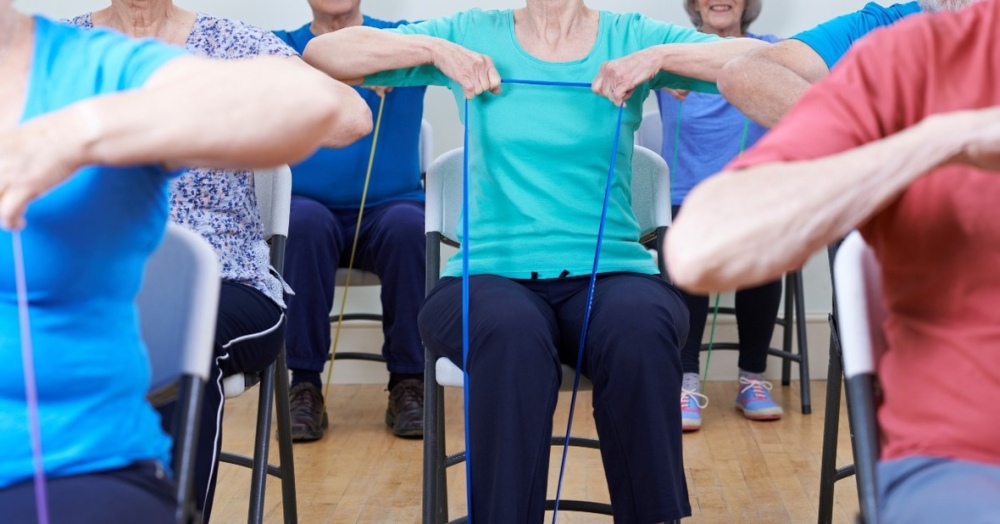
(737, 470)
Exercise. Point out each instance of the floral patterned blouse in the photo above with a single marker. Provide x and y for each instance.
(221, 205)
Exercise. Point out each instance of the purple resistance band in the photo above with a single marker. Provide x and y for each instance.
(30, 385)
(465, 289)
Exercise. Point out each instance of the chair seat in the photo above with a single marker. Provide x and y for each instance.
(358, 277)
(450, 375)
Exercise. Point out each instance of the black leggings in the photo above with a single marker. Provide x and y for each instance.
(248, 336)
(756, 313)
(140, 492)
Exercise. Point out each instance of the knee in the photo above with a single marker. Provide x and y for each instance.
(309, 220)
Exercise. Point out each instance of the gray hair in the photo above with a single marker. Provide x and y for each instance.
(945, 5)
(751, 10)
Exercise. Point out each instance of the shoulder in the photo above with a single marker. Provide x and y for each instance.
(226, 38)
(85, 20)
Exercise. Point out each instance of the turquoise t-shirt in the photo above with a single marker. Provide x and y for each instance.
(539, 155)
(85, 247)
(832, 39)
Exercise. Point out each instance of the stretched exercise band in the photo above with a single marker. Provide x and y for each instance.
(354, 245)
(30, 385)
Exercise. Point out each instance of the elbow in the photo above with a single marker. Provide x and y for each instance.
(688, 265)
(730, 80)
(348, 117)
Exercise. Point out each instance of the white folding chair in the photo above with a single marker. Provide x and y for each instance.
(361, 278)
(273, 189)
(861, 314)
(177, 304)
(651, 206)
(650, 132)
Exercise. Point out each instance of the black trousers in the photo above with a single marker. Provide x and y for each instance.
(520, 334)
(248, 336)
(140, 492)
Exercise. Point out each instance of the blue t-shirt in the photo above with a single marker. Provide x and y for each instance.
(711, 132)
(85, 247)
(336, 177)
(833, 38)
(539, 155)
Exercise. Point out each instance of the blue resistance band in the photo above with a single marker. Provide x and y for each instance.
(465, 289)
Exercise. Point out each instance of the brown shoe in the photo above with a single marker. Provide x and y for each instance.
(308, 412)
(405, 414)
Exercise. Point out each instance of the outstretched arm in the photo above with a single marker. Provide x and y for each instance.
(765, 83)
(353, 53)
(192, 111)
(618, 78)
(724, 238)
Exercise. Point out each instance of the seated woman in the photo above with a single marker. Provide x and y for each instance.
(699, 138)
(539, 156)
(92, 125)
(220, 205)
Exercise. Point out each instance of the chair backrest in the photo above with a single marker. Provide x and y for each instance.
(178, 304)
(426, 151)
(274, 199)
(650, 132)
(274, 196)
(650, 193)
(860, 310)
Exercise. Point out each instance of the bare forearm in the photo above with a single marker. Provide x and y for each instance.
(764, 92)
(742, 228)
(704, 61)
(353, 53)
(764, 84)
(255, 113)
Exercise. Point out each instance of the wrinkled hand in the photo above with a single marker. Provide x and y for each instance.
(618, 78)
(474, 72)
(679, 94)
(31, 163)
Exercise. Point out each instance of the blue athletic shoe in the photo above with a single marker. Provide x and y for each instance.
(692, 403)
(755, 401)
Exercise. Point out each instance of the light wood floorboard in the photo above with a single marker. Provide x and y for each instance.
(737, 470)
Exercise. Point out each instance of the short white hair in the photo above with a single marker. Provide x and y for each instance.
(945, 5)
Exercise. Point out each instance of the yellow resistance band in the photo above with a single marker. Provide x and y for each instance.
(354, 245)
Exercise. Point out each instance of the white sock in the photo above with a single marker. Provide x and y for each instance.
(752, 376)
(690, 382)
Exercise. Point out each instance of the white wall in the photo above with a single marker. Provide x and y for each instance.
(781, 17)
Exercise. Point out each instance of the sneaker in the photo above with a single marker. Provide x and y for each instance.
(692, 403)
(308, 412)
(405, 414)
(755, 401)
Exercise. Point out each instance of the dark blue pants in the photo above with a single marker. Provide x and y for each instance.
(391, 245)
(520, 333)
(248, 335)
(136, 493)
(756, 313)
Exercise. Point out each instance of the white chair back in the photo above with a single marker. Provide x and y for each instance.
(650, 193)
(650, 132)
(178, 304)
(426, 147)
(860, 310)
(274, 196)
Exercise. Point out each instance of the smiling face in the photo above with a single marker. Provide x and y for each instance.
(721, 17)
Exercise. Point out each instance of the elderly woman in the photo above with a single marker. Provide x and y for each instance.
(701, 133)
(92, 126)
(221, 206)
(539, 156)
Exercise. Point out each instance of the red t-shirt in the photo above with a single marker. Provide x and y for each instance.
(939, 243)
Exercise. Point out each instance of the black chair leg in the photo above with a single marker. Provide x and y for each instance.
(262, 442)
(801, 337)
(286, 457)
(831, 425)
(787, 333)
